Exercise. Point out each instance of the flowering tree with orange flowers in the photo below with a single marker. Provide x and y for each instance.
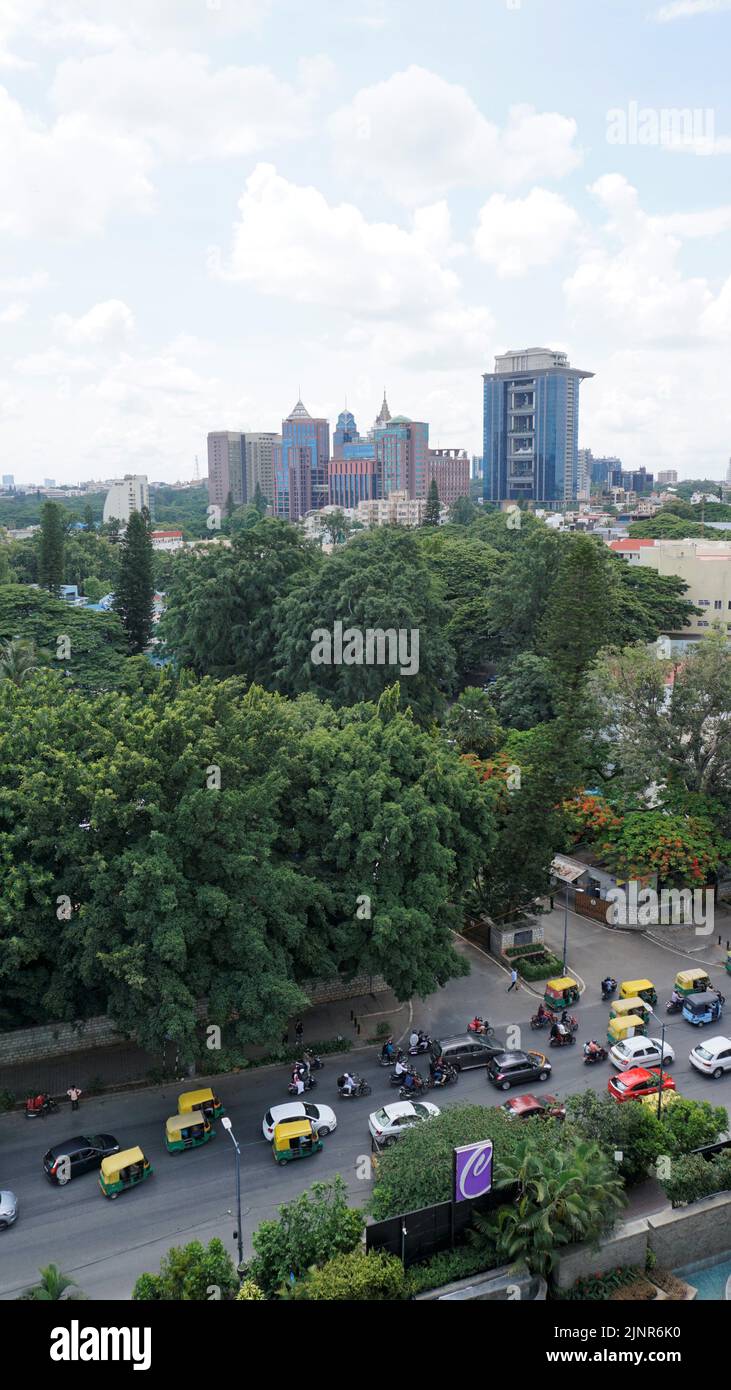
(681, 850)
(587, 817)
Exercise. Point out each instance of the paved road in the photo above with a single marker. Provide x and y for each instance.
(106, 1245)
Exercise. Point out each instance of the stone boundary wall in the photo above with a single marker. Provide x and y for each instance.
(678, 1236)
(62, 1039)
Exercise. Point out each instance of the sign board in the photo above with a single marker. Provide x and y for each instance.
(472, 1170)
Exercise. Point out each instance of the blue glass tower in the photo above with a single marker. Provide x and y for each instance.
(531, 428)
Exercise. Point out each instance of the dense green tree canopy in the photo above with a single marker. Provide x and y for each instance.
(95, 656)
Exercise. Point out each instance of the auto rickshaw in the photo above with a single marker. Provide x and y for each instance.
(621, 1008)
(123, 1170)
(692, 982)
(204, 1100)
(630, 1026)
(187, 1131)
(295, 1139)
(639, 989)
(560, 993)
(702, 1008)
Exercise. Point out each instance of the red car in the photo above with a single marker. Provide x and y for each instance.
(522, 1107)
(636, 1083)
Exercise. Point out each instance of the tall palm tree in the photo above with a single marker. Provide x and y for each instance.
(564, 1195)
(18, 660)
(53, 1287)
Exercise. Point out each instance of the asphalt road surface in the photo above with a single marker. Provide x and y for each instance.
(106, 1245)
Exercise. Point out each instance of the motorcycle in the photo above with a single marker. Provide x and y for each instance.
(449, 1074)
(362, 1089)
(398, 1079)
(40, 1106)
(571, 1022)
(540, 1021)
(480, 1026)
(562, 1040)
(307, 1081)
(674, 1006)
(314, 1063)
(599, 1054)
(419, 1086)
(422, 1045)
(609, 989)
(389, 1059)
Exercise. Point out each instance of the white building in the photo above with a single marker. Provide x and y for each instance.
(397, 509)
(704, 565)
(167, 540)
(125, 496)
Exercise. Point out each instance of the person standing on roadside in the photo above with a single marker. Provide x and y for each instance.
(73, 1094)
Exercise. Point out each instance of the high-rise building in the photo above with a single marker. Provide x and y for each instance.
(669, 475)
(450, 470)
(8, 480)
(637, 480)
(353, 480)
(259, 451)
(476, 469)
(125, 496)
(301, 464)
(531, 427)
(402, 450)
(226, 468)
(346, 432)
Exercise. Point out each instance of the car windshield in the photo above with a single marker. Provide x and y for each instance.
(382, 1118)
(621, 1085)
(268, 1118)
(420, 1110)
(704, 1053)
(312, 1111)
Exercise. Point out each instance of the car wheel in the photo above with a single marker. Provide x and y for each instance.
(718, 1072)
(504, 1085)
(543, 1076)
(323, 1131)
(4, 1224)
(113, 1196)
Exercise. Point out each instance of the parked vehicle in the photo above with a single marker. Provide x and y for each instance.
(561, 993)
(525, 1107)
(322, 1117)
(712, 1056)
(642, 989)
(511, 1068)
(188, 1131)
(391, 1121)
(622, 1028)
(204, 1100)
(122, 1170)
(8, 1208)
(703, 1008)
(638, 1082)
(295, 1139)
(640, 1052)
(692, 982)
(38, 1107)
(82, 1154)
(467, 1050)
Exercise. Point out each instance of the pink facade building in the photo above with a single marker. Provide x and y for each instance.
(450, 470)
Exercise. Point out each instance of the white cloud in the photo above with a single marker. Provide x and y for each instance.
(517, 234)
(108, 325)
(25, 284)
(418, 136)
(103, 23)
(14, 312)
(687, 9)
(67, 178)
(183, 107)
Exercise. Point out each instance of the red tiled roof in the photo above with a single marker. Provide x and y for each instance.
(629, 544)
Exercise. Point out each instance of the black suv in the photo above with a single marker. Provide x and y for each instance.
(84, 1154)
(511, 1068)
(467, 1050)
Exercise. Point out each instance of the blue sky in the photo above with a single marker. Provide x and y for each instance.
(208, 204)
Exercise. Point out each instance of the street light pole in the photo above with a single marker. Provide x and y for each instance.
(661, 1021)
(229, 1130)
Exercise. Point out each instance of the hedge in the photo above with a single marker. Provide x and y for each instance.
(693, 1177)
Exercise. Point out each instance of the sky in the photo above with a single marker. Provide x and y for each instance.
(208, 207)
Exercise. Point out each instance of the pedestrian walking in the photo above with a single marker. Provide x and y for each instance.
(299, 1031)
(513, 981)
(73, 1094)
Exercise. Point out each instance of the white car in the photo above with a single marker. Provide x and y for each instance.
(387, 1124)
(8, 1209)
(712, 1056)
(323, 1116)
(640, 1052)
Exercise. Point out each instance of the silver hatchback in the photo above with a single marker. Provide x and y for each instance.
(8, 1209)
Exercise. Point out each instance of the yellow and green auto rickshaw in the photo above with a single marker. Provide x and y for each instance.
(639, 989)
(630, 1026)
(187, 1131)
(560, 993)
(123, 1170)
(295, 1139)
(204, 1100)
(692, 981)
(622, 1008)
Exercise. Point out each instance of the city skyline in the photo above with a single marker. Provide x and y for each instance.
(201, 215)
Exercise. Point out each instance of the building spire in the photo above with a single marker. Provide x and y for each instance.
(384, 415)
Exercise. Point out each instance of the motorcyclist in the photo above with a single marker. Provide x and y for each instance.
(298, 1084)
(591, 1047)
(350, 1084)
(675, 998)
(388, 1049)
(478, 1025)
(411, 1083)
(541, 1011)
(608, 985)
(414, 1038)
(436, 1068)
(400, 1068)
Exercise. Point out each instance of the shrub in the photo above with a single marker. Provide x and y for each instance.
(249, 1292)
(188, 1273)
(693, 1177)
(636, 1132)
(541, 969)
(357, 1276)
(450, 1265)
(310, 1230)
(597, 1287)
(7, 1100)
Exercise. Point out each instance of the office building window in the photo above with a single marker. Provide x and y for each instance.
(717, 603)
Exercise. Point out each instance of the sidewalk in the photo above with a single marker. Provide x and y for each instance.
(96, 1069)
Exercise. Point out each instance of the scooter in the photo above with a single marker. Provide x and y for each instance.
(362, 1089)
(423, 1045)
(48, 1106)
(480, 1026)
(540, 1021)
(562, 1040)
(599, 1054)
(398, 1080)
(389, 1059)
(420, 1085)
(314, 1063)
(449, 1074)
(307, 1081)
(674, 1006)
